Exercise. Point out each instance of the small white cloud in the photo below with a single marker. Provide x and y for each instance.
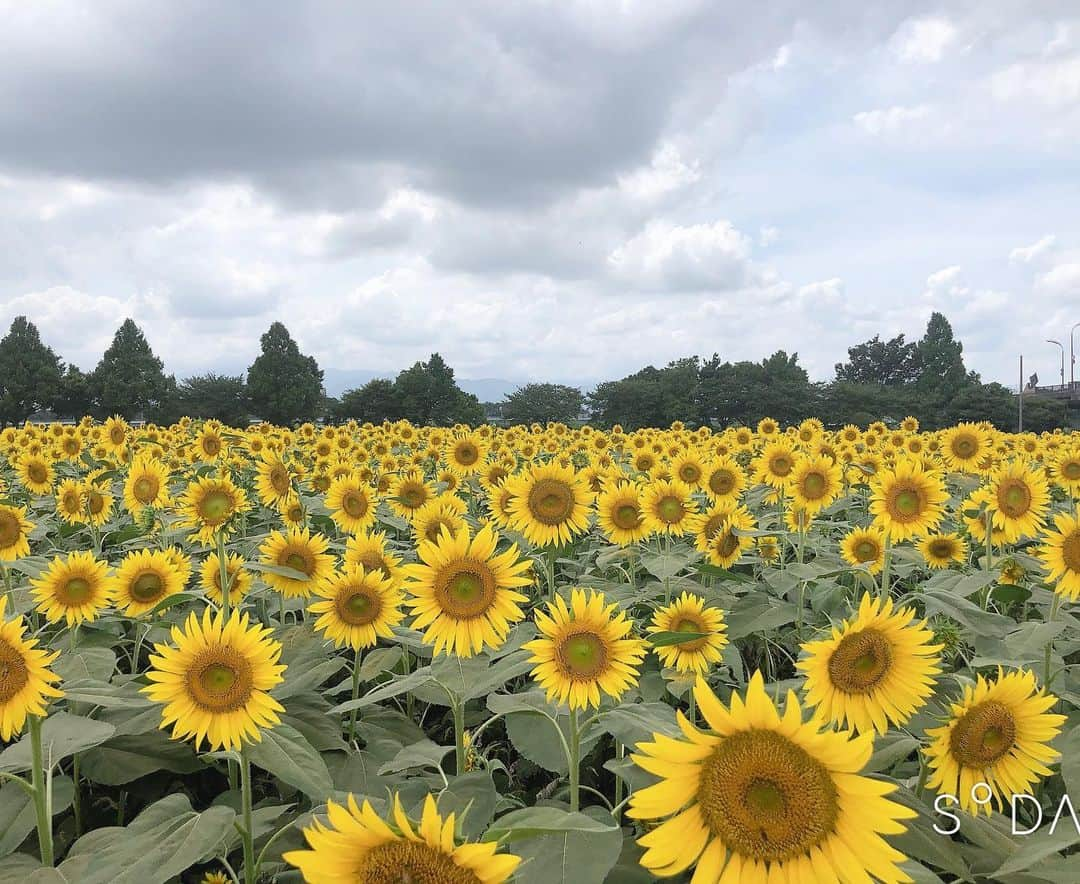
(941, 278)
(767, 235)
(923, 40)
(1052, 83)
(668, 257)
(1064, 279)
(1028, 254)
(666, 173)
(825, 291)
(782, 57)
(885, 121)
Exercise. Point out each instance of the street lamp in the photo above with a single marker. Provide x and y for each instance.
(1062, 346)
(1072, 354)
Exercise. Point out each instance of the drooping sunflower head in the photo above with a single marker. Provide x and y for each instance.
(15, 531)
(864, 547)
(717, 533)
(705, 627)
(585, 648)
(237, 578)
(214, 680)
(876, 670)
(351, 503)
(942, 550)
(146, 577)
(620, 514)
(549, 504)
(998, 733)
(301, 551)
(26, 681)
(669, 507)
(768, 548)
(273, 478)
(907, 501)
(208, 506)
(1060, 553)
(358, 845)
(1020, 497)
(463, 594)
(764, 797)
(74, 588)
(372, 553)
(357, 607)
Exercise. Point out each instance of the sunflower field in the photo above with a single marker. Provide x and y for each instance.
(543, 655)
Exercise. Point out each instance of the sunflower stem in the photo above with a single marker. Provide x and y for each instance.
(355, 694)
(924, 772)
(692, 712)
(620, 752)
(76, 797)
(8, 588)
(42, 792)
(886, 568)
(223, 571)
(246, 836)
(458, 709)
(1054, 605)
(575, 762)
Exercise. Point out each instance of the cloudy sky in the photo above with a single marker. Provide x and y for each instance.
(561, 190)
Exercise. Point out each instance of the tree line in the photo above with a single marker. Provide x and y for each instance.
(881, 380)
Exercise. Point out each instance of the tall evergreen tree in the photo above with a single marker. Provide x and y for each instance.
(29, 373)
(284, 386)
(130, 380)
(74, 398)
(939, 359)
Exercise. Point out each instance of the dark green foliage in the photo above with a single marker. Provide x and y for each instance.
(429, 395)
(284, 386)
(73, 398)
(877, 362)
(376, 401)
(543, 403)
(652, 397)
(221, 397)
(130, 380)
(29, 373)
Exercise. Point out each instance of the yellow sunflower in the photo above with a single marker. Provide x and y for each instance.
(775, 464)
(669, 507)
(273, 479)
(765, 798)
(214, 680)
(351, 504)
(715, 533)
(689, 614)
(875, 670)
(26, 682)
(998, 734)
(584, 649)
(465, 454)
(146, 577)
(97, 501)
(689, 469)
(238, 577)
(69, 502)
(301, 551)
(372, 553)
(907, 500)
(146, 485)
(942, 550)
(724, 479)
(35, 473)
(357, 607)
(620, 515)
(74, 588)
(463, 594)
(446, 511)
(1060, 553)
(549, 504)
(408, 492)
(15, 531)
(963, 446)
(1020, 497)
(1065, 468)
(815, 483)
(358, 845)
(208, 506)
(866, 547)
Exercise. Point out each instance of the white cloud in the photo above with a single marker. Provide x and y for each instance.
(1064, 279)
(886, 121)
(923, 40)
(1028, 254)
(1054, 83)
(767, 235)
(668, 257)
(666, 173)
(824, 292)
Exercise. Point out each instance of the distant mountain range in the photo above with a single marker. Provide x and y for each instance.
(337, 381)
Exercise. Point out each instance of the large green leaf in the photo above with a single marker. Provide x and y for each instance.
(123, 759)
(285, 753)
(62, 734)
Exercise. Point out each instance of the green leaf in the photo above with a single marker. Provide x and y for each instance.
(1041, 844)
(559, 847)
(285, 753)
(666, 639)
(633, 723)
(123, 759)
(17, 817)
(472, 797)
(62, 734)
(422, 754)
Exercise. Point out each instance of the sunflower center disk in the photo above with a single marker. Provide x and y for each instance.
(765, 797)
(9, 529)
(145, 489)
(1070, 551)
(627, 516)
(941, 549)
(412, 497)
(95, 502)
(38, 473)
(583, 655)
(814, 486)
(76, 591)
(1071, 470)
(220, 680)
(781, 466)
(279, 480)
(1014, 498)
(984, 734)
(215, 507)
(689, 474)
(551, 502)
(866, 551)
(670, 509)
(721, 482)
(965, 447)
(147, 587)
(467, 455)
(466, 591)
(860, 661)
(13, 673)
(358, 608)
(297, 561)
(406, 862)
(354, 504)
(906, 503)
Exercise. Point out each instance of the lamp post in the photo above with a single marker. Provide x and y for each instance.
(1072, 354)
(1062, 346)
